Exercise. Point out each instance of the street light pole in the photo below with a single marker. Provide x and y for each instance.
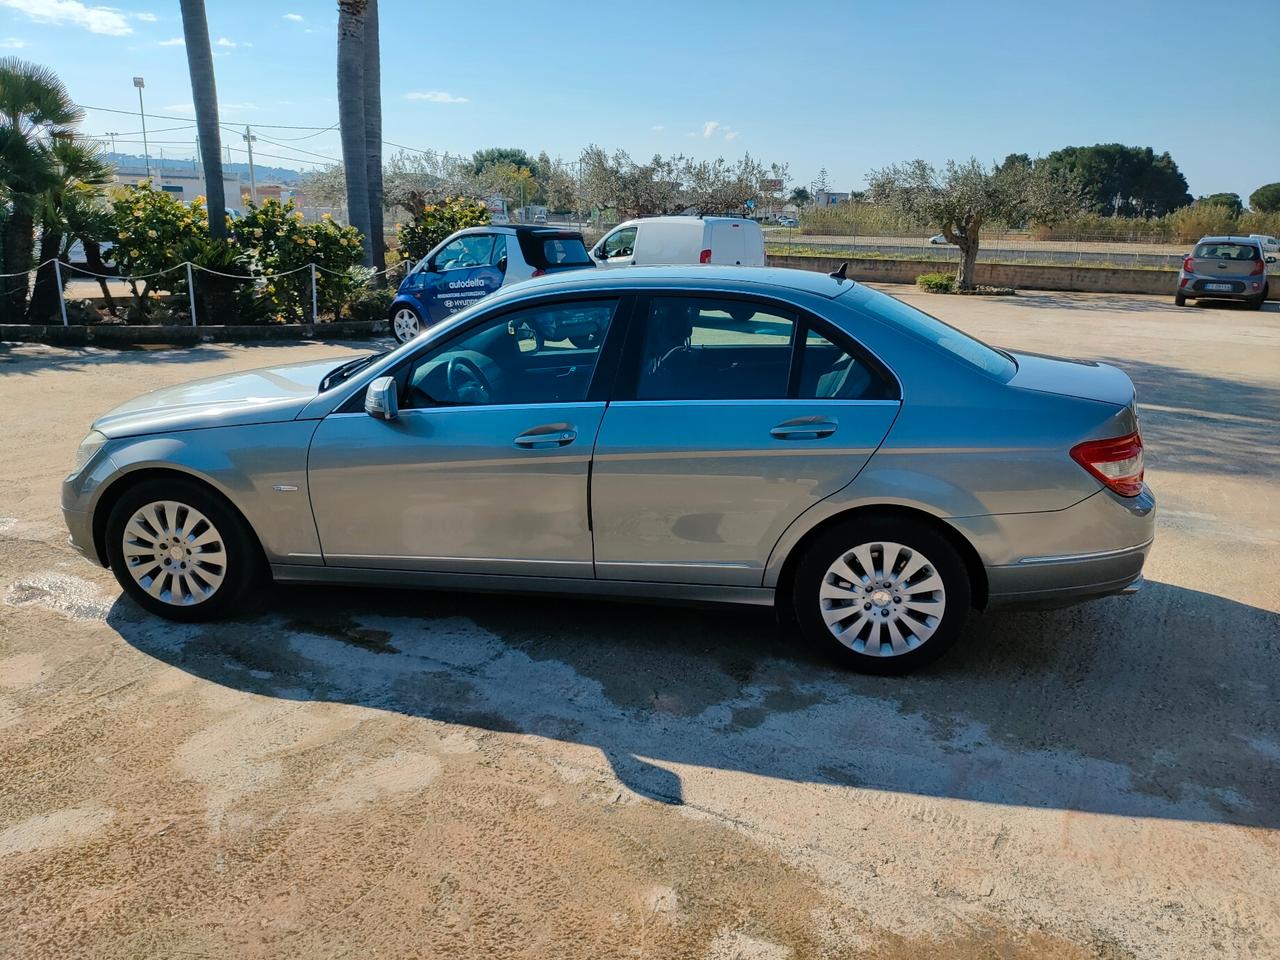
(253, 180)
(146, 153)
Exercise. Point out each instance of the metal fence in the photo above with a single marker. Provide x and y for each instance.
(187, 276)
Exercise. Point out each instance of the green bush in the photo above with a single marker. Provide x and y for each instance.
(279, 242)
(937, 282)
(370, 305)
(436, 221)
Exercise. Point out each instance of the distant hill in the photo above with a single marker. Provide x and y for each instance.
(264, 172)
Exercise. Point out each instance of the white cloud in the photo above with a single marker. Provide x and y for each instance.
(658, 129)
(434, 96)
(295, 17)
(12, 43)
(709, 128)
(146, 17)
(224, 42)
(73, 13)
(731, 135)
(173, 42)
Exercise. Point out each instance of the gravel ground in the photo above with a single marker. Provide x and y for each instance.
(360, 773)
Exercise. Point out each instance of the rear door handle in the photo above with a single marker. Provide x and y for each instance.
(546, 436)
(805, 428)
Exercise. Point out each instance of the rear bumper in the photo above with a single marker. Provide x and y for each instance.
(1192, 286)
(1096, 548)
(1069, 580)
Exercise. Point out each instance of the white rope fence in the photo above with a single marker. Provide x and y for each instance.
(190, 268)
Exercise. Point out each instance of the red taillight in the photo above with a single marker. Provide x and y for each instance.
(1116, 463)
(1259, 269)
(1189, 264)
(704, 256)
(539, 272)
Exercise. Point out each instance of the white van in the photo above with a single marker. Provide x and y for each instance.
(662, 240)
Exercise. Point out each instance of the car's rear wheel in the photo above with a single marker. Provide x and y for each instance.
(882, 595)
(1179, 300)
(179, 550)
(1255, 303)
(406, 323)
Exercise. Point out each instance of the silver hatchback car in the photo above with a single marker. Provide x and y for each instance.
(752, 435)
(1225, 268)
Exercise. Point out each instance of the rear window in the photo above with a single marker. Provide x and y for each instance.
(1227, 251)
(545, 251)
(920, 324)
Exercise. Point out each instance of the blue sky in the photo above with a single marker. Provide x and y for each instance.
(842, 85)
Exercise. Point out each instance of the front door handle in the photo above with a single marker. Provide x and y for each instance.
(546, 436)
(805, 428)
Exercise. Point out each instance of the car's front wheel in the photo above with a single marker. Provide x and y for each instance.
(406, 323)
(179, 550)
(883, 594)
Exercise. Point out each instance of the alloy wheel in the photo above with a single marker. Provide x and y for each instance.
(174, 553)
(404, 323)
(882, 599)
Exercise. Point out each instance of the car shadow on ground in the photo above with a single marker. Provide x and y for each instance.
(1158, 705)
(13, 359)
(1197, 422)
(1125, 303)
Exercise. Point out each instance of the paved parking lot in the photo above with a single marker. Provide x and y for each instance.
(359, 773)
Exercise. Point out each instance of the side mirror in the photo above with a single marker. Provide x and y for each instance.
(380, 399)
(1271, 259)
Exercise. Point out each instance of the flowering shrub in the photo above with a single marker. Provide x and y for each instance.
(275, 235)
(436, 221)
(154, 231)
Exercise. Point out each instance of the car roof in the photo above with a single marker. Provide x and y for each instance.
(778, 278)
(1227, 239)
(512, 229)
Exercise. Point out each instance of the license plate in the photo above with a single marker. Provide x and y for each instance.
(1217, 286)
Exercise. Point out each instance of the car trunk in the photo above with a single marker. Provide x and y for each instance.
(1073, 378)
(1232, 261)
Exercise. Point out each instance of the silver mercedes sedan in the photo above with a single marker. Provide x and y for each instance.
(751, 435)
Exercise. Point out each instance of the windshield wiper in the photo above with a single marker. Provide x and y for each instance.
(343, 371)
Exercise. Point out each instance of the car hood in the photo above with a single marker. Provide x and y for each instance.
(269, 395)
(1085, 379)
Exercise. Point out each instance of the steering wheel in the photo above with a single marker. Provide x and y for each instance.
(467, 382)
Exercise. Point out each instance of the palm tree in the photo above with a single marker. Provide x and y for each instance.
(373, 133)
(351, 116)
(204, 94)
(69, 210)
(35, 109)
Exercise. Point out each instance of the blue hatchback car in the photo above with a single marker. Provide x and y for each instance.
(473, 263)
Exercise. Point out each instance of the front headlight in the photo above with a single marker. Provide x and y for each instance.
(88, 447)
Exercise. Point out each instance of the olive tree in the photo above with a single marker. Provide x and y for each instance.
(961, 197)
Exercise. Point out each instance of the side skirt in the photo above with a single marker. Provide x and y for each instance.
(486, 583)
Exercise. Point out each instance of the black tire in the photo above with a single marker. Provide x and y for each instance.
(1255, 303)
(1179, 300)
(922, 541)
(241, 553)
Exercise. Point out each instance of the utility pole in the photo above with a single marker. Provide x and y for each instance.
(146, 153)
(113, 141)
(253, 180)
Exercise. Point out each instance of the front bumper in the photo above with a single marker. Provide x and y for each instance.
(1095, 548)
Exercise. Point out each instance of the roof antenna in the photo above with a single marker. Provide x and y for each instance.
(840, 273)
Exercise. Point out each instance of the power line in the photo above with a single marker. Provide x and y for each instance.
(162, 116)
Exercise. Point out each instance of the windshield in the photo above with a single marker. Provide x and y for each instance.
(918, 323)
